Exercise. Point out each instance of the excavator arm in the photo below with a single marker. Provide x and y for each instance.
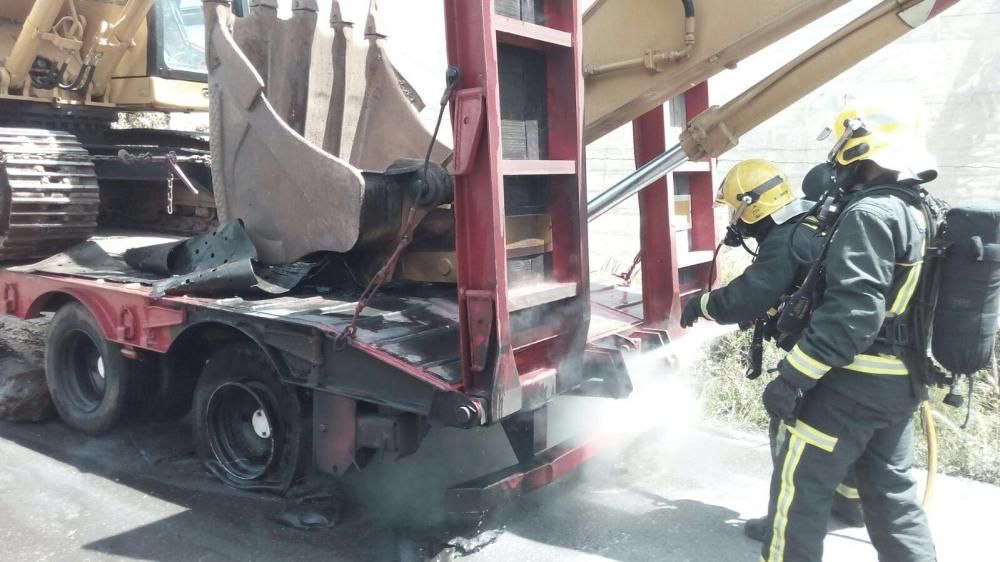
(718, 129)
(637, 54)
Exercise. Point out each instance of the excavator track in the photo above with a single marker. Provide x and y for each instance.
(49, 197)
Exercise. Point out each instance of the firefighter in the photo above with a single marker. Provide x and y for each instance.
(772, 220)
(848, 401)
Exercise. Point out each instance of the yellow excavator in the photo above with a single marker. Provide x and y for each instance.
(67, 68)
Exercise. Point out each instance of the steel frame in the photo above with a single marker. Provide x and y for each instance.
(508, 370)
(503, 373)
(662, 289)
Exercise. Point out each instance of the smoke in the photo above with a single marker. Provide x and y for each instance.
(643, 434)
(663, 411)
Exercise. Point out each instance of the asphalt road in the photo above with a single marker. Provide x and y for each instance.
(671, 488)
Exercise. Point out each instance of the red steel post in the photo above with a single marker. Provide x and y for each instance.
(660, 287)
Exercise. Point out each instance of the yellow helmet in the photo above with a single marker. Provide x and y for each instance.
(755, 189)
(887, 134)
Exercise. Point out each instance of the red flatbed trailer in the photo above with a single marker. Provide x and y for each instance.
(483, 352)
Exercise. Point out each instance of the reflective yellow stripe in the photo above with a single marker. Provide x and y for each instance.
(785, 497)
(805, 364)
(804, 369)
(704, 307)
(812, 226)
(909, 286)
(906, 291)
(813, 436)
(780, 438)
(848, 492)
(877, 365)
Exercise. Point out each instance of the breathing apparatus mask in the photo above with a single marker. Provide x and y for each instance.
(828, 182)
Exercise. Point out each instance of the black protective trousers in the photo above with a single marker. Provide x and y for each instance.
(778, 434)
(832, 433)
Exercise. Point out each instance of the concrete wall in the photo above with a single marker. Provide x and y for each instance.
(952, 64)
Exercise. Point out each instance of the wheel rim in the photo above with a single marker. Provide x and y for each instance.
(241, 429)
(86, 376)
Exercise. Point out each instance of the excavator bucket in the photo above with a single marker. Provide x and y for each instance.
(371, 114)
(298, 110)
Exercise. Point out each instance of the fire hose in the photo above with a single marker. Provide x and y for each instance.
(930, 432)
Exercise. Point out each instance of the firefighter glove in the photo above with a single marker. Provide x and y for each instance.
(691, 313)
(781, 399)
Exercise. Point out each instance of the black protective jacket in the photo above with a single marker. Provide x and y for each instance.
(871, 271)
(772, 276)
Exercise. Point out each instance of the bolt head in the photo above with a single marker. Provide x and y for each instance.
(444, 267)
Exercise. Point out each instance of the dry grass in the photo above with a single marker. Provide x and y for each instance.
(972, 452)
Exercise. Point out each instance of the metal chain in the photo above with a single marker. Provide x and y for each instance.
(626, 276)
(170, 194)
(383, 274)
(122, 156)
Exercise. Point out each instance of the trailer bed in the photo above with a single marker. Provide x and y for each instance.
(419, 328)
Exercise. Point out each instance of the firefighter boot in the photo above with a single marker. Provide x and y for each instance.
(848, 511)
(756, 528)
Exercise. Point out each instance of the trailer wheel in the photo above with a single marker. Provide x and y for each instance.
(248, 427)
(89, 379)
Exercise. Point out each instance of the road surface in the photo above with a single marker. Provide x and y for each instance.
(672, 488)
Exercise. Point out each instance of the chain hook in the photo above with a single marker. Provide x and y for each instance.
(170, 193)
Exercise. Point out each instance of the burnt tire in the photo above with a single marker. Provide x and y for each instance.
(90, 381)
(249, 427)
(162, 392)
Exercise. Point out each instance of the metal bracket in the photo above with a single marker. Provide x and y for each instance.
(125, 330)
(479, 313)
(160, 317)
(305, 346)
(651, 338)
(334, 430)
(469, 118)
(10, 298)
(627, 343)
(608, 371)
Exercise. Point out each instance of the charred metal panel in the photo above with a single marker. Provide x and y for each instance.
(334, 431)
(351, 372)
(221, 261)
(528, 433)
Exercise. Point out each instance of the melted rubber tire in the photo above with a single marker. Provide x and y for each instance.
(163, 392)
(245, 370)
(91, 392)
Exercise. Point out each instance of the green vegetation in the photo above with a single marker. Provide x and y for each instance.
(972, 452)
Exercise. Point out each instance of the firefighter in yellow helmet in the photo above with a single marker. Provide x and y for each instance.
(765, 208)
(846, 396)
(762, 201)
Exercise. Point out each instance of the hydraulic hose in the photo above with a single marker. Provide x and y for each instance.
(688, 8)
(932, 453)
